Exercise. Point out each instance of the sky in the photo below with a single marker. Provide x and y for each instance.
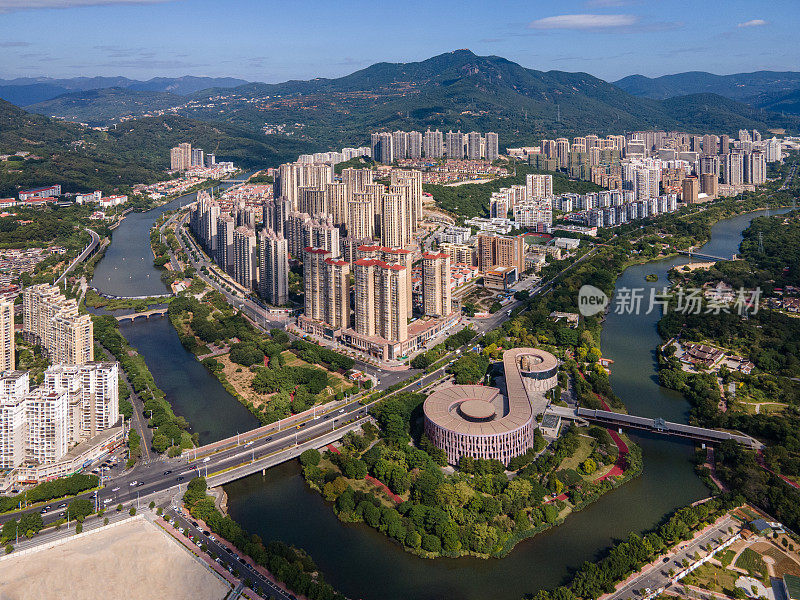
(273, 41)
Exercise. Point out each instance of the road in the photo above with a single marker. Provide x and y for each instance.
(657, 576)
(227, 558)
(82, 256)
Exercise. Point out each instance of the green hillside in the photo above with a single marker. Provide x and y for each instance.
(82, 158)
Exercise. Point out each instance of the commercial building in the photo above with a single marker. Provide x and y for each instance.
(476, 421)
(52, 321)
(492, 146)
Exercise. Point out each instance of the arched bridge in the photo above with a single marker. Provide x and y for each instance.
(145, 314)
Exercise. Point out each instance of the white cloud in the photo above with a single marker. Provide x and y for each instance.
(584, 22)
(753, 23)
(15, 5)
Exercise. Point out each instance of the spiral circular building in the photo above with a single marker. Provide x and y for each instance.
(478, 421)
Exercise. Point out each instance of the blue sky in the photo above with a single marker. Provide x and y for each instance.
(275, 41)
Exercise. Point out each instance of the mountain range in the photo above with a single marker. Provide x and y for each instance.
(24, 91)
(759, 89)
(457, 90)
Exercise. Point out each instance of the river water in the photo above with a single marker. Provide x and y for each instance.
(361, 562)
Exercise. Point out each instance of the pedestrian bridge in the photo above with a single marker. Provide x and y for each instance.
(693, 254)
(658, 425)
(144, 314)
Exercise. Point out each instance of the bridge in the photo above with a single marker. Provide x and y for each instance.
(113, 297)
(146, 314)
(658, 425)
(693, 254)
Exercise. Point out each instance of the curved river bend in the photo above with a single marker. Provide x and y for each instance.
(361, 562)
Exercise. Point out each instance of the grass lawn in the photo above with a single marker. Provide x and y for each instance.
(581, 454)
(714, 578)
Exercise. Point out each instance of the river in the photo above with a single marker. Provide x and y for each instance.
(361, 562)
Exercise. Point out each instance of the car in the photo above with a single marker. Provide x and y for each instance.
(43, 511)
(666, 559)
(194, 523)
(206, 459)
(167, 472)
(180, 478)
(133, 483)
(212, 538)
(107, 500)
(269, 439)
(141, 483)
(248, 444)
(64, 505)
(116, 489)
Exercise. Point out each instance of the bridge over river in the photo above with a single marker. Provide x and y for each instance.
(658, 425)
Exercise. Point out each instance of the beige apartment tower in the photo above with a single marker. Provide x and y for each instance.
(436, 298)
(7, 356)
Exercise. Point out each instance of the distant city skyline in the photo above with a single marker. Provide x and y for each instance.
(273, 42)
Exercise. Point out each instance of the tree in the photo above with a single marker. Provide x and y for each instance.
(589, 466)
(132, 511)
(9, 549)
(80, 508)
(310, 457)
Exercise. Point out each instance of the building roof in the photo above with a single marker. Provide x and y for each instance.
(446, 407)
(792, 585)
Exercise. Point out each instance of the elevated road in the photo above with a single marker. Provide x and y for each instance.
(88, 251)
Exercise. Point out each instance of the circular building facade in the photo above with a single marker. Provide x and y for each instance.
(478, 421)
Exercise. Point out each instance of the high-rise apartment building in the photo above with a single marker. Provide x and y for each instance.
(322, 233)
(492, 146)
(381, 299)
(7, 354)
(436, 296)
(245, 257)
(539, 186)
(501, 251)
(361, 216)
(274, 267)
(433, 144)
(276, 212)
(336, 292)
(313, 201)
(709, 185)
(733, 172)
(314, 282)
(691, 190)
(412, 179)
(383, 147)
(474, 145)
(395, 220)
(710, 145)
(454, 144)
(336, 200)
(53, 322)
(180, 157)
(224, 252)
(755, 168)
(414, 144)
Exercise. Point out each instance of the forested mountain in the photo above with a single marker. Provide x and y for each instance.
(456, 90)
(82, 158)
(761, 89)
(25, 91)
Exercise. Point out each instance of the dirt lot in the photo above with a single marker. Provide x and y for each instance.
(131, 561)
